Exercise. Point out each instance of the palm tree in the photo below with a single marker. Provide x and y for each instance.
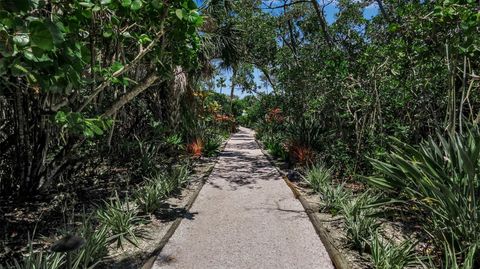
(221, 83)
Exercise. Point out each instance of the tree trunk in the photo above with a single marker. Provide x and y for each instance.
(322, 22)
(124, 99)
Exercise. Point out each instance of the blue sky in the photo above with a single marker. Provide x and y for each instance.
(330, 12)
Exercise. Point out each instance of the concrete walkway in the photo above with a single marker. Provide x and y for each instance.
(245, 217)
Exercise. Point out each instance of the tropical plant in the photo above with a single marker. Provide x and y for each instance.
(388, 255)
(37, 260)
(96, 243)
(212, 145)
(121, 220)
(360, 221)
(318, 176)
(442, 180)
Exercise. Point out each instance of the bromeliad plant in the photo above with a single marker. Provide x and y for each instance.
(441, 179)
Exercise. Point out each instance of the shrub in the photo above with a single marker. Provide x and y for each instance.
(150, 197)
(301, 155)
(387, 255)
(121, 220)
(442, 180)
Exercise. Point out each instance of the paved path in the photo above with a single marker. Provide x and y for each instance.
(245, 217)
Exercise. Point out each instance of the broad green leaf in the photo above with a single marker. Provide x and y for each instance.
(179, 13)
(40, 35)
(87, 4)
(136, 5)
(105, 2)
(21, 39)
(126, 3)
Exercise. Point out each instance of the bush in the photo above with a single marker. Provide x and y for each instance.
(37, 260)
(274, 145)
(150, 197)
(442, 180)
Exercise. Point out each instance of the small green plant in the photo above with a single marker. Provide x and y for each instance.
(121, 220)
(157, 188)
(334, 196)
(148, 153)
(387, 255)
(175, 141)
(318, 177)
(180, 174)
(37, 260)
(149, 198)
(451, 258)
(212, 146)
(360, 224)
(96, 242)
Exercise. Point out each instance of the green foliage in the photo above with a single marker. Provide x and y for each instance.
(275, 146)
(78, 124)
(151, 196)
(212, 145)
(121, 220)
(96, 243)
(37, 260)
(319, 177)
(441, 179)
(360, 222)
(388, 255)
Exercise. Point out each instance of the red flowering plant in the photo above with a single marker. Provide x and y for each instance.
(275, 115)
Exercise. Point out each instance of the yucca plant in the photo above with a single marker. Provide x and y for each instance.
(441, 178)
(360, 223)
(319, 178)
(180, 174)
(388, 255)
(121, 220)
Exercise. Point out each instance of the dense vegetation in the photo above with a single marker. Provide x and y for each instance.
(346, 94)
(388, 104)
(102, 100)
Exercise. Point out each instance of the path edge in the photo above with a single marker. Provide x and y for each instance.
(339, 262)
(150, 260)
